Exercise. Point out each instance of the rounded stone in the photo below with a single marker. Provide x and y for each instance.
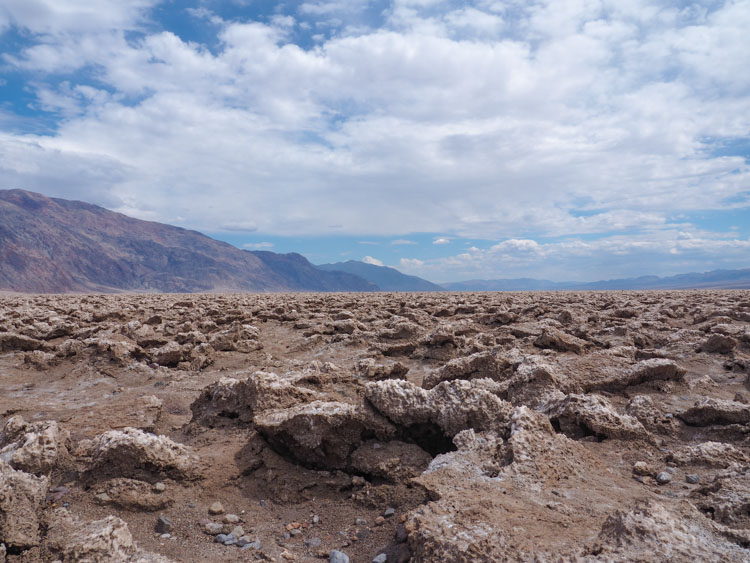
(216, 508)
(663, 477)
(338, 557)
(692, 478)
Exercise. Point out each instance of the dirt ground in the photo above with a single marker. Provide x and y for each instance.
(592, 426)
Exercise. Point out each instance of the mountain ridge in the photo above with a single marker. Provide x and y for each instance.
(714, 279)
(51, 245)
(385, 277)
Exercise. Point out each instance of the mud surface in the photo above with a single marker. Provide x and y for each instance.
(426, 427)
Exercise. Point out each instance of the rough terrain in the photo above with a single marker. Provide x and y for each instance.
(375, 427)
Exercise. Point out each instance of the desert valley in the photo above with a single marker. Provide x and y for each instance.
(593, 426)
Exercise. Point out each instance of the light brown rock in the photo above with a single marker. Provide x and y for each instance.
(21, 498)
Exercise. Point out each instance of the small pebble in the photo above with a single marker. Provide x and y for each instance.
(238, 531)
(382, 558)
(165, 536)
(316, 519)
(338, 557)
(390, 512)
(692, 478)
(379, 521)
(213, 528)
(230, 540)
(164, 525)
(358, 481)
(231, 518)
(296, 532)
(216, 508)
(313, 542)
(221, 538)
(160, 487)
(252, 545)
(663, 477)
(360, 522)
(288, 555)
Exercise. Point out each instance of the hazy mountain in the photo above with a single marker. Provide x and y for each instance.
(387, 279)
(52, 245)
(716, 279)
(297, 269)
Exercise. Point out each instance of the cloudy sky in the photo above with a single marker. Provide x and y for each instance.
(560, 139)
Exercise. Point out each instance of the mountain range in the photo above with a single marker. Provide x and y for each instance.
(387, 279)
(50, 245)
(716, 279)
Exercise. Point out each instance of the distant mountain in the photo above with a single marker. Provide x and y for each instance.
(297, 269)
(716, 279)
(52, 245)
(387, 279)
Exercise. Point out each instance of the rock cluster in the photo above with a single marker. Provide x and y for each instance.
(428, 427)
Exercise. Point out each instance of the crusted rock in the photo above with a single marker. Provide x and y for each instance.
(131, 494)
(239, 399)
(131, 452)
(653, 419)
(237, 338)
(452, 405)
(533, 380)
(561, 341)
(652, 532)
(727, 498)
(35, 447)
(718, 344)
(656, 369)
(716, 454)
(103, 540)
(170, 354)
(10, 342)
(578, 416)
(396, 461)
(322, 434)
(370, 369)
(21, 498)
(716, 411)
(488, 364)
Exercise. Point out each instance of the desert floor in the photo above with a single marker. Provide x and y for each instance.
(426, 427)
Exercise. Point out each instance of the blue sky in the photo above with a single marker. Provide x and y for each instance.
(559, 139)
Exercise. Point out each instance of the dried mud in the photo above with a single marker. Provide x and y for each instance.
(609, 426)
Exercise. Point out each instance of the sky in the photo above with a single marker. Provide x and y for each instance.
(559, 139)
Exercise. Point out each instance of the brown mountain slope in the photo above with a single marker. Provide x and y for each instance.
(52, 245)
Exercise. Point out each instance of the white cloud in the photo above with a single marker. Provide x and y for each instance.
(401, 241)
(68, 16)
(373, 261)
(662, 252)
(441, 240)
(491, 120)
(411, 263)
(517, 245)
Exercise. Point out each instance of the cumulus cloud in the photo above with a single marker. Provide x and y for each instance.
(663, 253)
(373, 261)
(501, 121)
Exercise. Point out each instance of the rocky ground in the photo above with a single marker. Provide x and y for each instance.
(375, 427)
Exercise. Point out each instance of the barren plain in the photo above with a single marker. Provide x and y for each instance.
(609, 426)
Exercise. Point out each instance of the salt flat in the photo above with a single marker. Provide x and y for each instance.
(430, 427)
